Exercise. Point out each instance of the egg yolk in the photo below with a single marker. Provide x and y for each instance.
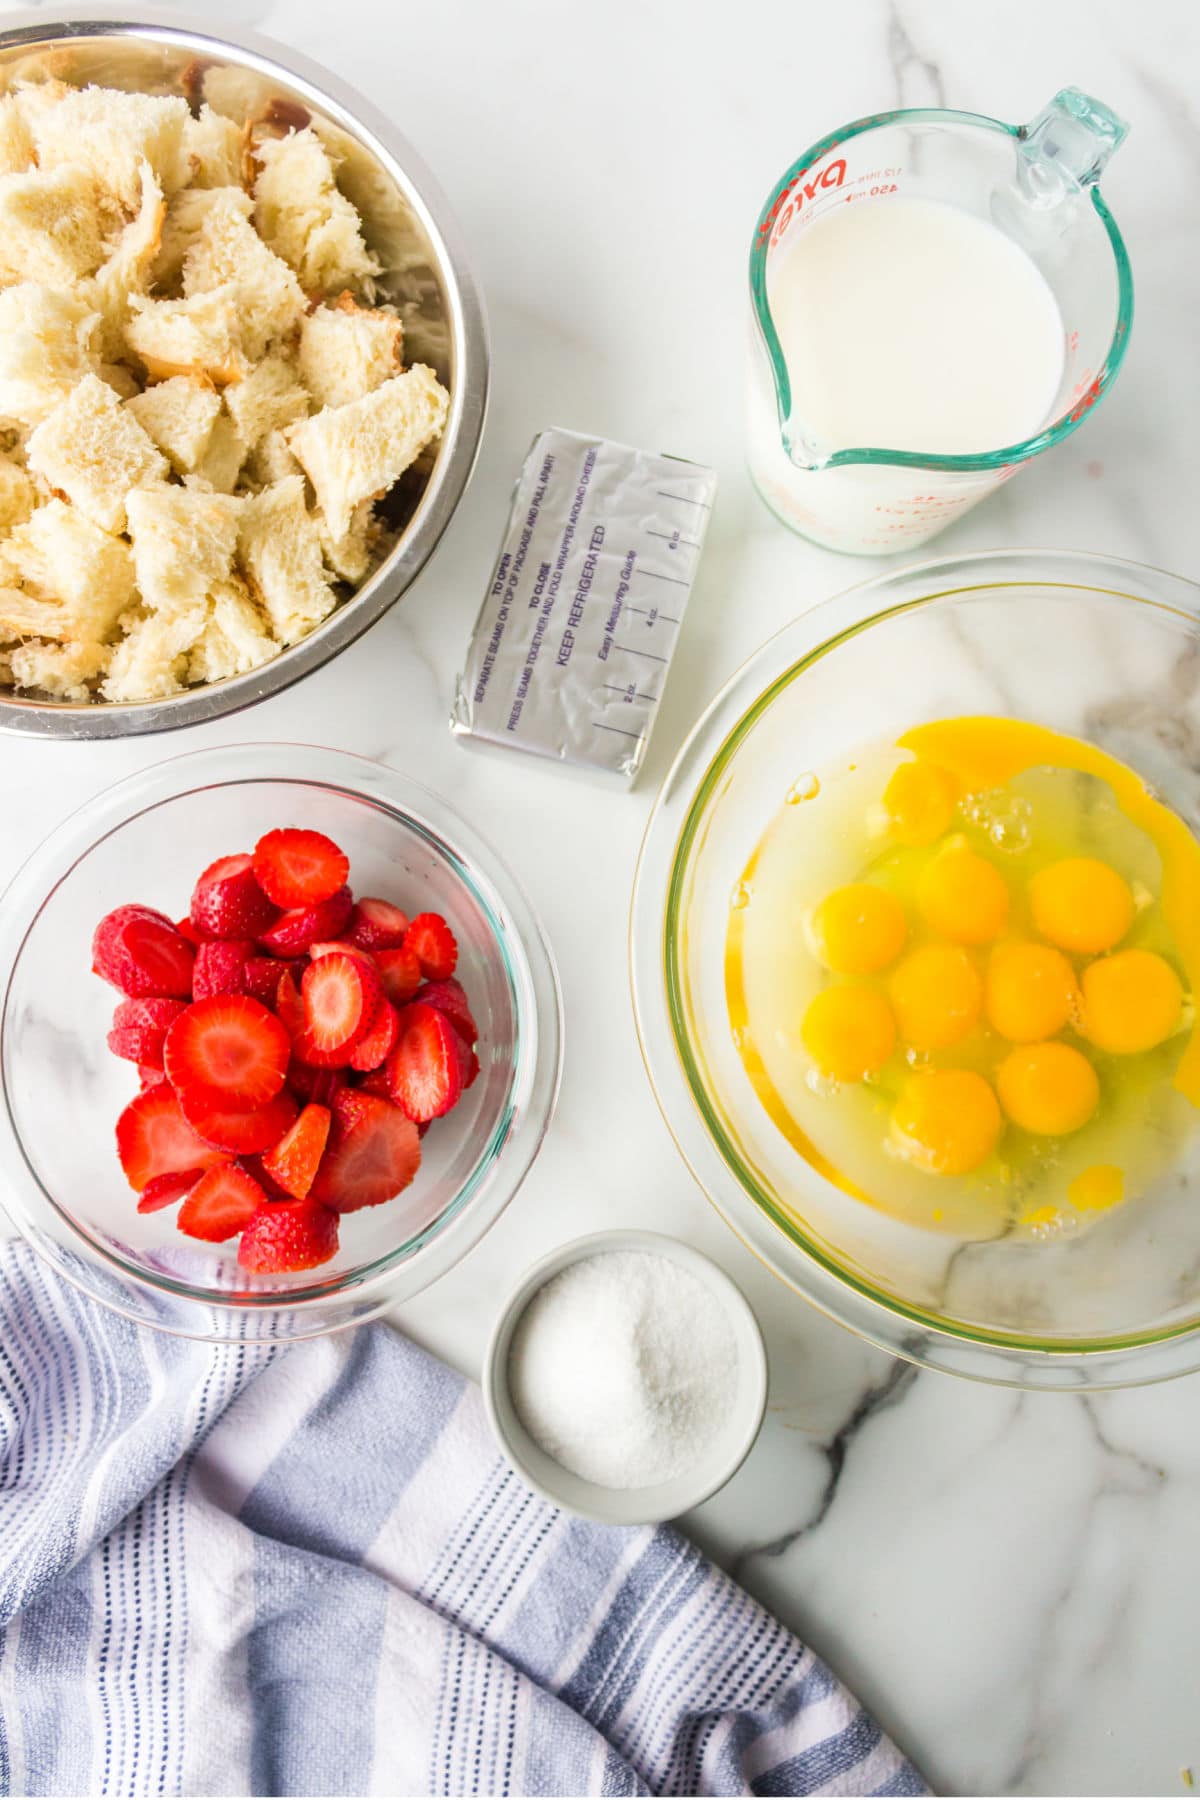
(849, 1032)
(1097, 1188)
(1081, 904)
(1031, 992)
(937, 996)
(962, 897)
(858, 929)
(1048, 1089)
(946, 1121)
(1131, 1002)
(919, 801)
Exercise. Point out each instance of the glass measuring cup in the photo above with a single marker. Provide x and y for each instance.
(1037, 184)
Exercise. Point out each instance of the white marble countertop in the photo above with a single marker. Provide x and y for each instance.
(1005, 1578)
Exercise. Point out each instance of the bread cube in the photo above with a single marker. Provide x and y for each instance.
(185, 216)
(214, 146)
(236, 638)
(222, 462)
(201, 335)
(128, 268)
(347, 350)
(184, 541)
(65, 561)
(302, 215)
(271, 461)
(16, 139)
(352, 453)
(93, 450)
(179, 414)
(350, 556)
(117, 132)
(18, 495)
(280, 551)
(150, 663)
(48, 343)
(63, 671)
(50, 226)
(227, 250)
(270, 398)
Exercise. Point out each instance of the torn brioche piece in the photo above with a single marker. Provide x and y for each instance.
(16, 139)
(128, 269)
(236, 637)
(227, 250)
(280, 551)
(269, 399)
(184, 540)
(179, 414)
(48, 343)
(117, 132)
(346, 350)
(18, 495)
(222, 462)
(351, 555)
(214, 145)
(352, 453)
(201, 335)
(185, 216)
(271, 461)
(50, 226)
(80, 577)
(301, 213)
(150, 662)
(92, 449)
(62, 671)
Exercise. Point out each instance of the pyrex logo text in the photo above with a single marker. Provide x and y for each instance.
(791, 198)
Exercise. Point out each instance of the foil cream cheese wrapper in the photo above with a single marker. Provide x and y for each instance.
(574, 640)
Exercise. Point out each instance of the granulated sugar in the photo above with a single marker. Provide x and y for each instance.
(623, 1368)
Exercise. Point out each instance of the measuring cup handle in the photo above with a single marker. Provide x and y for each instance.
(1067, 145)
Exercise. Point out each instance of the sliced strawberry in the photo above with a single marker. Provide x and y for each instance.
(427, 1069)
(289, 1007)
(227, 901)
(230, 1047)
(373, 1153)
(262, 976)
(187, 930)
(154, 1138)
(311, 1083)
(340, 947)
(293, 1161)
(449, 998)
(400, 973)
(342, 995)
(165, 1190)
(299, 868)
(149, 1076)
(378, 925)
(221, 968)
(220, 1204)
(243, 1130)
(286, 1236)
(376, 1083)
(377, 1044)
(139, 1028)
(433, 944)
(294, 931)
(141, 953)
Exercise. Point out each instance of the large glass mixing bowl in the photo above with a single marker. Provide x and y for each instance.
(146, 840)
(1106, 650)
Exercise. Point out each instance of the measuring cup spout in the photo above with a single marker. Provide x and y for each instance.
(1067, 146)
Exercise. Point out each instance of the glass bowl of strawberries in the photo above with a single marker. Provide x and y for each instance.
(280, 1039)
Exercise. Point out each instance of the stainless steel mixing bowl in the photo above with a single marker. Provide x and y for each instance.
(409, 227)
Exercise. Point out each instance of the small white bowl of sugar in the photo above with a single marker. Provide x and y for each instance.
(626, 1378)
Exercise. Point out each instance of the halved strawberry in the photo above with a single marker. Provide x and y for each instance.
(377, 1044)
(427, 1069)
(140, 952)
(449, 998)
(227, 901)
(341, 998)
(294, 931)
(243, 1130)
(221, 968)
(165, 1190)
(312, 1083)
(220, 1204)
(231, 1048)
(378, 925)
(286, 1236)
(400, 973)
(433, 944)
(262, 976)
(299, 868)
(293, 1161)
(187, 930)
(340, 947)
(154, 1138)
(373, 1153)
(139, 1028)
(149, 1076)
(289, 1007)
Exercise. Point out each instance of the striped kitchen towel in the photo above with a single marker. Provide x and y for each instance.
(238, 1571)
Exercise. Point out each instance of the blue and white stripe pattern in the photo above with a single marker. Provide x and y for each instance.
(238, 1571)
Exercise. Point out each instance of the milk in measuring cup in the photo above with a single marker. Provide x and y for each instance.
(906, 325)
(912, 325)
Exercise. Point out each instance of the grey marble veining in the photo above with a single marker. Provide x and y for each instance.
(1007, 1579)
